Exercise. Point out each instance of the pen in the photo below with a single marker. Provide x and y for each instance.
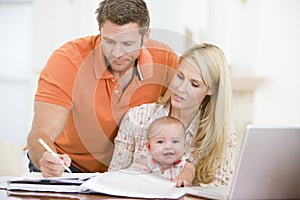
(52, 152)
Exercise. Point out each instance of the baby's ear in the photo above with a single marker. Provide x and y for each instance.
(148, 146)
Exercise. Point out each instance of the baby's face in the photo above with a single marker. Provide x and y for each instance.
(168, 145)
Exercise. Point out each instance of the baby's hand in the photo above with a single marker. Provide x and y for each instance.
(181, 183)
(139, 167)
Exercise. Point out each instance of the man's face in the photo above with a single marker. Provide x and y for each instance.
(120, 45)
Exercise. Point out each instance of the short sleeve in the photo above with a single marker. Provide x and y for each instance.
(55, 84)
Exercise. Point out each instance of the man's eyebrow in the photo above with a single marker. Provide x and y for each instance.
(106, 37)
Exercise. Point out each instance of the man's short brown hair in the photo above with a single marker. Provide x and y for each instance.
(122, 12)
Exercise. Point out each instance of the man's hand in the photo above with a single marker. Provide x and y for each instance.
(48, 122)
(51, 166)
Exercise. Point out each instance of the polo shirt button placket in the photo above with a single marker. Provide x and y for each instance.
(117, 92)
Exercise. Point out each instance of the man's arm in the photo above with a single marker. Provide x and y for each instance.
(48, 122)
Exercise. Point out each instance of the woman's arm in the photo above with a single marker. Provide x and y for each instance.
(224, 173)
(124, 146)
(186, 176)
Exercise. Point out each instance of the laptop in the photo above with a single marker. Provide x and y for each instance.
(268, 166)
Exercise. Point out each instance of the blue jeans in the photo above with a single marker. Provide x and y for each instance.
(33, 168)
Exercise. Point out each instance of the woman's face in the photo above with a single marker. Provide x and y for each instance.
(187, 87)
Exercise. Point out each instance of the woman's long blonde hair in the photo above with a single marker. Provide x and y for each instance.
(215, 119)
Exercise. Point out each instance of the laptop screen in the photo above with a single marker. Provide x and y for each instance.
(269, 164)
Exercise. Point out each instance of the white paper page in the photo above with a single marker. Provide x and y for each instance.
(129, 183)
(44, 188)
(209, 191)
(67, 178)
(68, 182)
(70, 176)
(3, 181)
(42, 194)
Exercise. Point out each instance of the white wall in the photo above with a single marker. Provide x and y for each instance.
(260, 38)
(233, 26)
(30, 31)
(15, 83)
(170, 19)
(58, 21)
(278, 101)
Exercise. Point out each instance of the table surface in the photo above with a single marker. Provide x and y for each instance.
(8, 195)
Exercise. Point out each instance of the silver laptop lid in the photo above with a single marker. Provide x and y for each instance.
(269, 164)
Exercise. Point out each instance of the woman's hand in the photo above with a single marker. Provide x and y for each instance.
(181, 183)
(186, 176)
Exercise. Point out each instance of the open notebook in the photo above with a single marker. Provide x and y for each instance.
(268, 166)
(123, 183)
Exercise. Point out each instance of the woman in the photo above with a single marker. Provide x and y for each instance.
(199, 95)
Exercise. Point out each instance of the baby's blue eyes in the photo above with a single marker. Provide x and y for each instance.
(176, 141)
(159, 142)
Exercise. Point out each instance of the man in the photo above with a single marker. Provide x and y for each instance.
(89, 83)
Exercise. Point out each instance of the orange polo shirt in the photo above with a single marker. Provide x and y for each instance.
(76, 77)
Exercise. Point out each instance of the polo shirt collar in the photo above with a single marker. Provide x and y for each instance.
(144, 69)
(145, 64)
(100, 66)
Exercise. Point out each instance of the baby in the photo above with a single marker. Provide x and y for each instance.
(166, 143)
